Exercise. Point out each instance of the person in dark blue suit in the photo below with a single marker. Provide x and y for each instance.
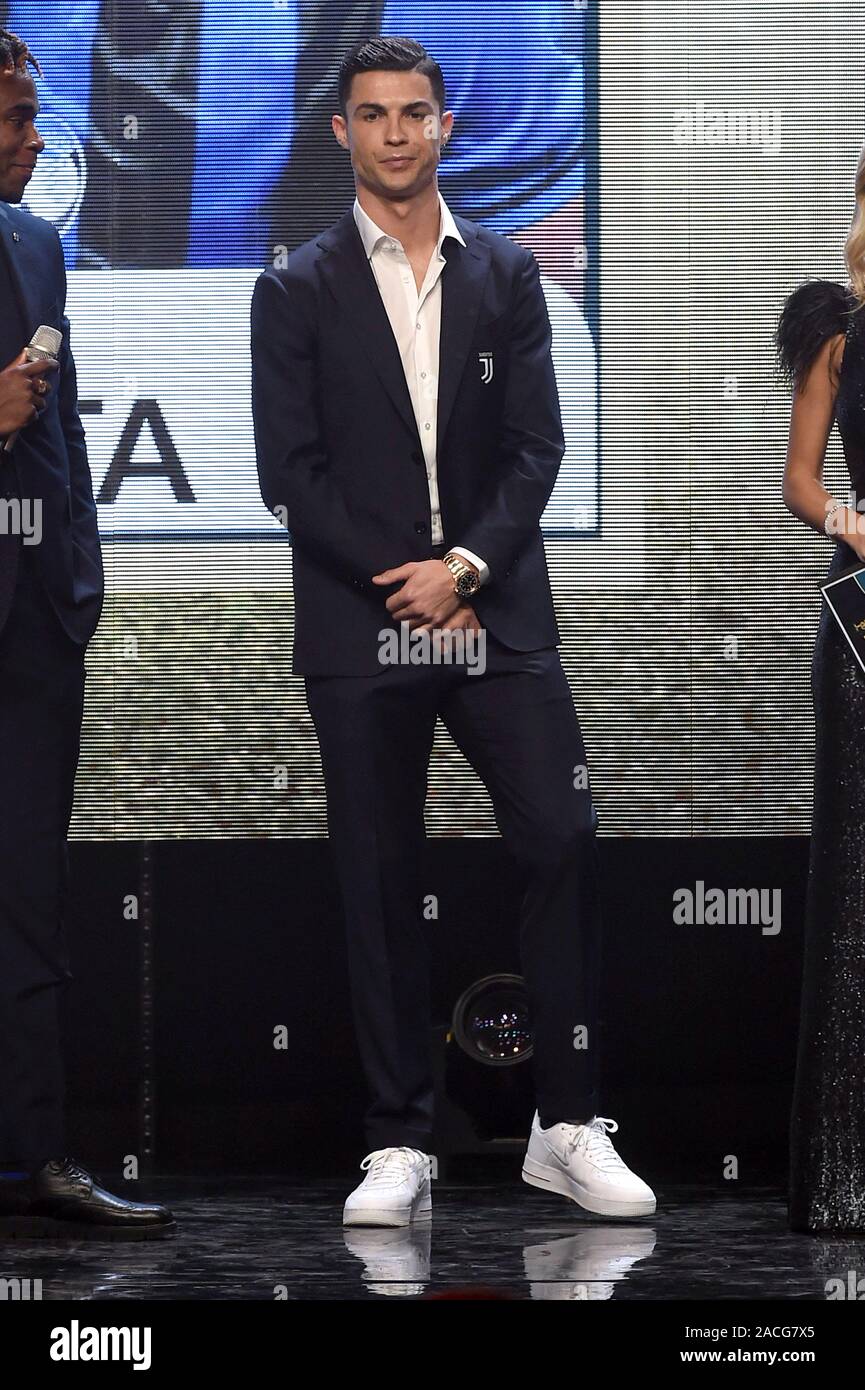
(408, 434)
(51, 591)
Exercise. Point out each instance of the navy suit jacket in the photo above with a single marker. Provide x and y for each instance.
(338, 447)
(50, 456)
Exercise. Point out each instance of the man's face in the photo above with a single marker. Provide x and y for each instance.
(393, 131)
(20, 142)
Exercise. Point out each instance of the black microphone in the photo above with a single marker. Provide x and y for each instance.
(44, 347)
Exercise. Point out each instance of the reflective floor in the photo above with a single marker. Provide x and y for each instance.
(259, 1238)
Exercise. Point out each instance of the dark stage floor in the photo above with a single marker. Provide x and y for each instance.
(266, 1238)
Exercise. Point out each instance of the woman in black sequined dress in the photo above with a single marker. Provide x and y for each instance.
(821, 351)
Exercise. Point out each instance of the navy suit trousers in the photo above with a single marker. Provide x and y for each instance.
(41, 703)
(517, 726)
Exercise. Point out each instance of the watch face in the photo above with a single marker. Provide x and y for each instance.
(467, 583)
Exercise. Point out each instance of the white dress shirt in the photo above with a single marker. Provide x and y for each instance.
(415, 318)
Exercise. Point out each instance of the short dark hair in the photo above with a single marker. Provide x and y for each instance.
(389, 55)
(15, 54)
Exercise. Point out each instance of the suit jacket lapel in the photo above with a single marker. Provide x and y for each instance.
(351, 279)
(463, 280)
(23, 269)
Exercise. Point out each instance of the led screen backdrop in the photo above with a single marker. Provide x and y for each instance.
(185, 149)
(675, 169)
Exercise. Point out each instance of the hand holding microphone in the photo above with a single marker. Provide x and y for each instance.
(23, 387)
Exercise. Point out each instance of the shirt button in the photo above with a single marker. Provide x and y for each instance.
(417, 325)
(423, 374)
(427, 425)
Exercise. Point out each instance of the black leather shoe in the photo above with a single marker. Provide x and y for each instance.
(63, 1201)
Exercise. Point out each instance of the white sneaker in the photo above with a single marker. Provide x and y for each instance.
(580, 1162)
(395, 1191)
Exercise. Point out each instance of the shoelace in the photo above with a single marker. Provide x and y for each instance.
(592, 1139)
(390, 1164)
(74, 1172)
(71, 1169)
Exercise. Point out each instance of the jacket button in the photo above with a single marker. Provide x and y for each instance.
(420, 527)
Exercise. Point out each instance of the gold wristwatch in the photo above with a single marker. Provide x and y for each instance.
(466, 581)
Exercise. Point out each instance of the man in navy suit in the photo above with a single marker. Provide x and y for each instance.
(408, 435)
(51, 590)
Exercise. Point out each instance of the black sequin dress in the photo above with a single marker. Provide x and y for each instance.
(827, 1126)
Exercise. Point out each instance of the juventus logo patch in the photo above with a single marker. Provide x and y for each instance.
(486, 361)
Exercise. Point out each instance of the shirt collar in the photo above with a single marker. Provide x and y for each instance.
(371, 234)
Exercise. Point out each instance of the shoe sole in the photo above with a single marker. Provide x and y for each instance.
(49, 1228)
(553, 1180)
(389, 1216)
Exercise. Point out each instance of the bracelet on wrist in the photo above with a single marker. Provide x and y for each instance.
(830, 512)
